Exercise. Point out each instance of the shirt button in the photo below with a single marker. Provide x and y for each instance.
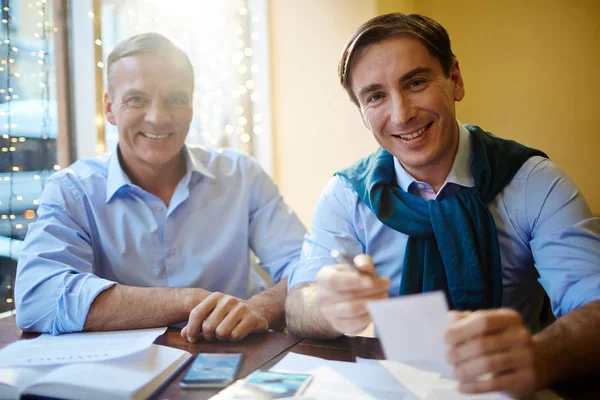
(159, 208)
(420, 186)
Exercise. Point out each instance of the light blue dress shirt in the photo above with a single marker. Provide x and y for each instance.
(95, 228)
(546, 232)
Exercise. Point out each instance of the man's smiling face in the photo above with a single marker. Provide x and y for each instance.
(407, 101)
(150, 102)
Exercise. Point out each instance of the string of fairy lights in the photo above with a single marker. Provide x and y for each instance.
(220, 38)
(24, 69)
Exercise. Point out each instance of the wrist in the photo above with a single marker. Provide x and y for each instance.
(192, 297)
(267, 307)
(545, 367)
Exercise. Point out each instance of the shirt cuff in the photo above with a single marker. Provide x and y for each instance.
(579, 294)
(305, 271)
(75, 300)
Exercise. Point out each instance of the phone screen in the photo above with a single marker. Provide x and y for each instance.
(212, 370)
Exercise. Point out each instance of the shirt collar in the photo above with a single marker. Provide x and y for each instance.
(461, 169)
(117, 178)
(193, 162)
(460, 173)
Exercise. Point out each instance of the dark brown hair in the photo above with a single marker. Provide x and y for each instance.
(427, 31)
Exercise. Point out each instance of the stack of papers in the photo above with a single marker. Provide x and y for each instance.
(415, 369)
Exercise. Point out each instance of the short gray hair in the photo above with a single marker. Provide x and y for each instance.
(146, 43)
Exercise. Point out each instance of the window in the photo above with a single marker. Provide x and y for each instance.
(28, 115)
(227, 44)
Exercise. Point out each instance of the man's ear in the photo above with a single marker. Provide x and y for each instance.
(108, 109)
(457, 81)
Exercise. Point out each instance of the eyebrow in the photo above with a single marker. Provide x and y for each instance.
(133, 92)
(138, 92)
(409, 75)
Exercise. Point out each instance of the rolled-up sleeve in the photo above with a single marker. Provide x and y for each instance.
(332, 229)
(55, 284)
(565, 239)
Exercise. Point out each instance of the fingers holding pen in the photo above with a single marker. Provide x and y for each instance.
(345, 289)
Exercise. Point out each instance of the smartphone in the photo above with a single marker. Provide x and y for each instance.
(212, 370)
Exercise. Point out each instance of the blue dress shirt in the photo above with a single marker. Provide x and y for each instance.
(545, 228)
(95, 228)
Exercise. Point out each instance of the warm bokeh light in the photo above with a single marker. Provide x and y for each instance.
(29, 214)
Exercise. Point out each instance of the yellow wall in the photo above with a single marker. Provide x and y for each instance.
(532, 73)
(317, 130)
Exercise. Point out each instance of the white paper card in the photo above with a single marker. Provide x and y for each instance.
(412, 327)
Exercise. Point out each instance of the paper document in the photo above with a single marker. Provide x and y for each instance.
(77, 347)
(429, 385)
(447, 389)
(411, 330)
(419, 382)
(412, 327)
(334, 380)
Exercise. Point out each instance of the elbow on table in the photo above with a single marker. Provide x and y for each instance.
(303, 318)
(307, 332)
(27, 320)
(32, 316)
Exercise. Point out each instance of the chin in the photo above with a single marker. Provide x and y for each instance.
(159, 159)
(413, 161)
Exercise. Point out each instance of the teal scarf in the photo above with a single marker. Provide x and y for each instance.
(453, 244)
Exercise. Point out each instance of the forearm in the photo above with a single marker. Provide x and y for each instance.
(303, 315)
(271, 304)
(129, 307)
(570, 347)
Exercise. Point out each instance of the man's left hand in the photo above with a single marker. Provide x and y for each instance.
(491, 350)
(223, 317)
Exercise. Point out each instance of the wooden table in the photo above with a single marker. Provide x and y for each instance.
(8, 331)
(258, 351)
(342, 349)
(264, 351)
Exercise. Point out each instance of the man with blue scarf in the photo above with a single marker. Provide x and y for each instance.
(444, 206)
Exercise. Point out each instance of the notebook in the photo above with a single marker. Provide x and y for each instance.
(136, 376)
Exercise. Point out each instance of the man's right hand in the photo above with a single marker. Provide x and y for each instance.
(343, 294)
(223, 317)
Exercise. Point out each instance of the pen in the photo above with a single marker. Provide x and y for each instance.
(344, 258)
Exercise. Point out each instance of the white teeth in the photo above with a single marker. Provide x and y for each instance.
(414, 135)
(151, 136)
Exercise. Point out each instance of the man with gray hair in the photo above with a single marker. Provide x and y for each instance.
(157, 232)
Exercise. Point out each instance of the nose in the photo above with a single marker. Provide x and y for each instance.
(403, 111)
(158, 114)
